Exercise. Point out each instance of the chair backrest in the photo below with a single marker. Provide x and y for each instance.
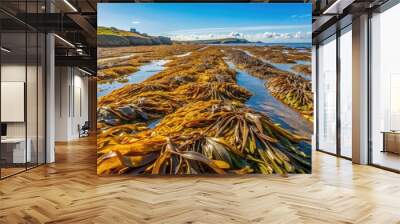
(86, 125)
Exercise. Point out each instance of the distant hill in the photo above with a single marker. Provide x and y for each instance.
(218, 41)
(110, 36)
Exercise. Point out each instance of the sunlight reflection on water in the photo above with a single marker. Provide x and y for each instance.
(145, 71)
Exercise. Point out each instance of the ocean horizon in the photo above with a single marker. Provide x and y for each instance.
(291, 45)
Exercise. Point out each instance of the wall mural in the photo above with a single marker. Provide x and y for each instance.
(200, 89)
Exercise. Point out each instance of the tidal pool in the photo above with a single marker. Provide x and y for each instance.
(264, 102)
(288, 67)
(145, 71)
(283, 66)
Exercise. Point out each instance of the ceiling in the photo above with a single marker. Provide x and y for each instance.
(74, 22)
(332, 15)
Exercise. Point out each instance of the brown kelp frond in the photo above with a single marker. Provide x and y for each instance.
(255, 135)
(114, 67)
(122, 134)
(304, 69)
(178, 80)
(212, 137)
(121, 130)
(272, 54)
(181, 160)
(299, 56)
(191, 119)
(141, 108)
(137, 144)
(204, 127)
(215, 91)
(245, 131)
(293, 91)
(253, 65)
(168, 90)
(115, 73)
(131, 90)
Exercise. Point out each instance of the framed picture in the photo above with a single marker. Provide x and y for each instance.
(204, 88)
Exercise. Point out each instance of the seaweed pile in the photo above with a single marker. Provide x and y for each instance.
(291, 89)
(204, 137)
(273, 54)
(294, 91)
(253, 65)
(204, 126)
(297, 55)
(118, 69)
(278, 54)
(304, 69)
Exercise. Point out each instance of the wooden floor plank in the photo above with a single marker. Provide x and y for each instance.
(69, 191)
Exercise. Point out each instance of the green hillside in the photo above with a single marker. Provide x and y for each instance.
(110, 36)
(113, 31)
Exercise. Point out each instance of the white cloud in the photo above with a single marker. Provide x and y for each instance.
(236, 34)
(135, 22)
(261, 36)
(241, 29)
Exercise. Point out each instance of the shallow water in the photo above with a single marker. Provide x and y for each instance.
(145, 71)
(103, 60)
(288, 67)
(183, 55)
(283, 66)
(264, 102)
(301, 62)
(153, 124)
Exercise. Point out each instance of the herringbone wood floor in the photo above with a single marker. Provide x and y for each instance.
(70, 192)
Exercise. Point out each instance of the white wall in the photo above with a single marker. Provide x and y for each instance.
(71, 102)
(33, 127)
(13, 73)
(61, 103)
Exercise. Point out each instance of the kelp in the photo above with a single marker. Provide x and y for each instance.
(208, 137)
(204, 127)
(304, 69)
(214, 91)
(166, 91)
(299, 56)
(143, 107)
(115, 73)
(118, 69)
(272, 54)
(253, 65)
(289, 88)
(294, 91)
(131, 91)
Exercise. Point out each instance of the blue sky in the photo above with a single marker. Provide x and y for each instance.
(253, 21)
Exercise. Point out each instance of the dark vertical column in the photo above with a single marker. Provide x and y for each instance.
(369, 90)
(37, 89)
(338, 73)
(26, 86)
(316, 97)
(92, 103)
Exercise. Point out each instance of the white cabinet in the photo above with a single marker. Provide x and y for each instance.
(17, 146)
